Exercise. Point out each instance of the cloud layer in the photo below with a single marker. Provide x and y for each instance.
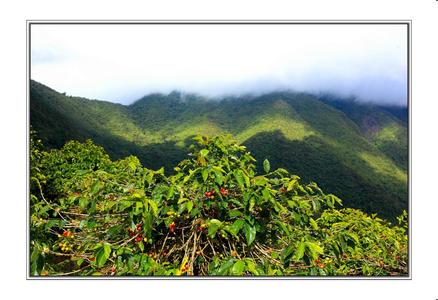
(121, 63)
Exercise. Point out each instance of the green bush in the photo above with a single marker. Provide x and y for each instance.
(214, 217)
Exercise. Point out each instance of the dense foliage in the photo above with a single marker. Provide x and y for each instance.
(214, 216)
(356, 151)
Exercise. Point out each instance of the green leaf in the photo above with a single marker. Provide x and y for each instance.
(96, 187)
(51, 223)
(291, 185)
(181, 200)
(314, 224)
(251, 204)
(79, 262)
(283, 226)
(160, 171)
(299, 253)
(107, 249)
(153, 205)
(250, 233)
(353, 237)
(266, 166)
(132, 165)
(286, 254)
(238, 268)
(218, 177)
(170, 192)
(315, 205)
(189, 206)
(246, 178)
(147, 224)
(204, 152)
(182, 208)
(102, 255)
(204, 173)
(138, 206)
(83, 202)
(234, 213)
(149, 177)
(314, 250)
(250, 265)
(35, 254)
(260, 180)
(266, 194)
(225, 267)
(213, 226)
(281, 171)
(218, 169)
(141, 246)
(235, 228)
(239, 178)
(96, 274)
(191, 174)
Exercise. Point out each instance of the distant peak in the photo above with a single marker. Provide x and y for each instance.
(175, 94)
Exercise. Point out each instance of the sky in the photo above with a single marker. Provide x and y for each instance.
(122, 63)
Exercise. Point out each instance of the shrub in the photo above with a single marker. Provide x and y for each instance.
(214, 217)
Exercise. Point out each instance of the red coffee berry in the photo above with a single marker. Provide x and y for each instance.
(172, 227)
(224, 191)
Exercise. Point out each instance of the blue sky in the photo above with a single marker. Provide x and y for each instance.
(121, 63)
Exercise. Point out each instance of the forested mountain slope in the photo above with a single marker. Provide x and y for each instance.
(356, 151)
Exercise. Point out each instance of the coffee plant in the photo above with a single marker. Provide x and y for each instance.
(91, 216)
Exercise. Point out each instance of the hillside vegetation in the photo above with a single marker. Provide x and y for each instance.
(215, 216)
(358, 152)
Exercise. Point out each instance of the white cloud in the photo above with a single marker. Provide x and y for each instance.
(121, 63)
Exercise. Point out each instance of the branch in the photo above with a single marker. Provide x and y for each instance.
(42, 196)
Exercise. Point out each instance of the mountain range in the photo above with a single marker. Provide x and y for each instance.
(357, 151)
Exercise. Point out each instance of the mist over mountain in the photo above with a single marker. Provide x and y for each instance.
(122, 63)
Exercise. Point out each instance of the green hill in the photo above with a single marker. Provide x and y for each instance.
(356, 151)
(385, 127)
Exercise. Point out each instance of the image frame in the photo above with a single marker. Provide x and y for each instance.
(408, 23)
